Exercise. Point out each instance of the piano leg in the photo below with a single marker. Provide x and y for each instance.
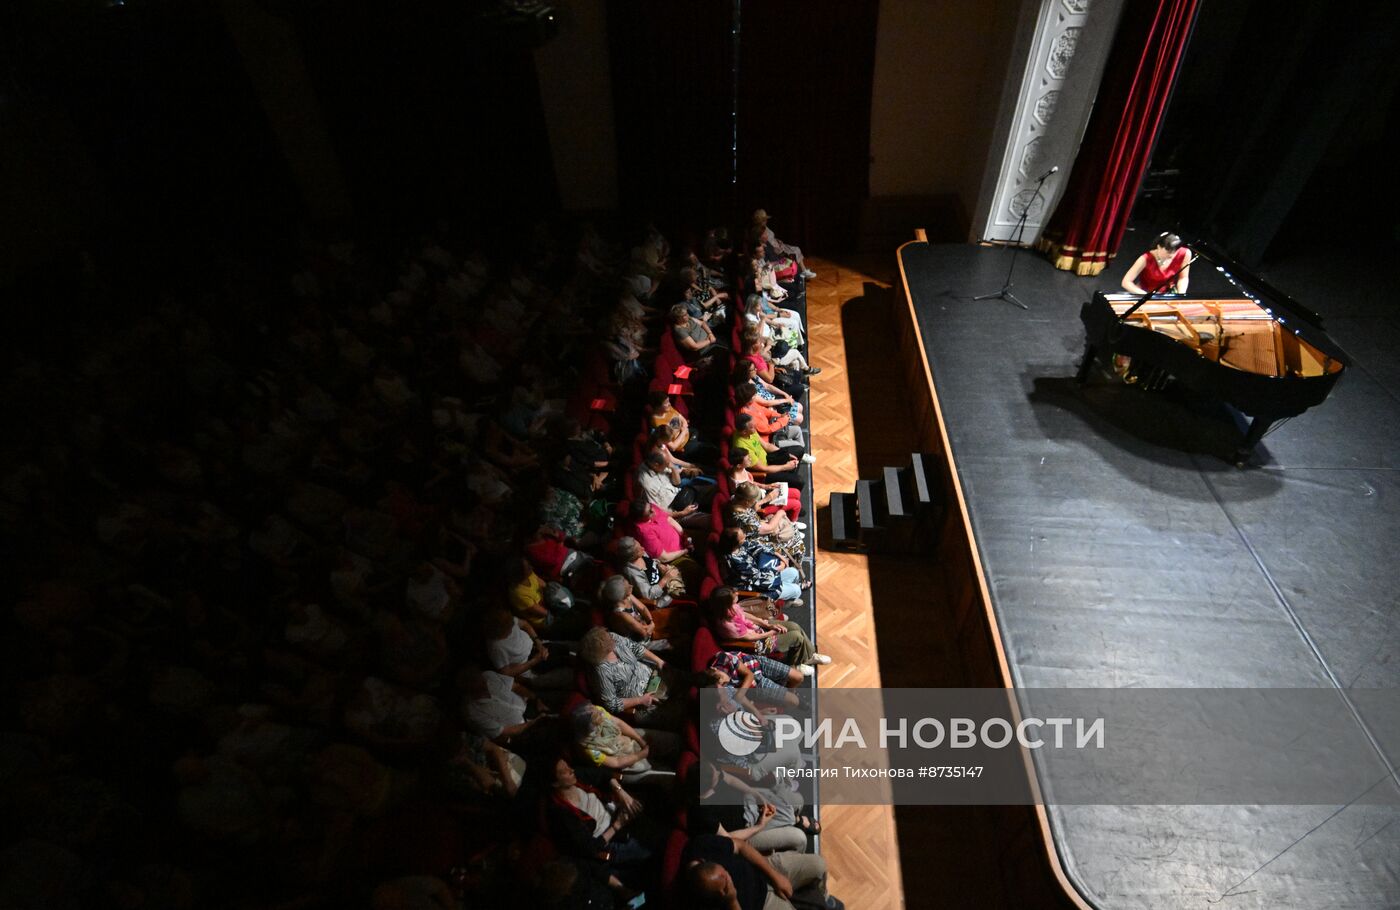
(1257, 428)
(1085, 365)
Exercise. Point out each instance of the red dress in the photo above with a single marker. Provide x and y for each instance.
(1154, 278)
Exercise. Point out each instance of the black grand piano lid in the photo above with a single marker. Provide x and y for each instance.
(1291, 314)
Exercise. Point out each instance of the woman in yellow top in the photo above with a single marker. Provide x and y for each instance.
(769, 462)
(525, 592)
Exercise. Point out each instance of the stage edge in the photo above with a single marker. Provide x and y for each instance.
(1029, 849)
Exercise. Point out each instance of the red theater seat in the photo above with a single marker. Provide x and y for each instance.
(702, 647)
(671, 865)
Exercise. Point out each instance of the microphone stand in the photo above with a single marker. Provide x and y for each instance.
(1005, 292)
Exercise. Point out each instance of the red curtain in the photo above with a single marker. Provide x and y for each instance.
(1087, 227)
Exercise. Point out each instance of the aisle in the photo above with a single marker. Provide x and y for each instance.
(859, 842)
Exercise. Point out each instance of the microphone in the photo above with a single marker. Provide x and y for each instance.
(1053, 170)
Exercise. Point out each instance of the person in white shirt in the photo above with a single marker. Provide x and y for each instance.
(513, 649)
(494, 705)
(764, 234)
(430, 593)
(659, 483)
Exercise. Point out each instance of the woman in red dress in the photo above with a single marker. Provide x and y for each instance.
(1165, 268)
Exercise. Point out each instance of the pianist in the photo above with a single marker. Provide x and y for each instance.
(1164, 269)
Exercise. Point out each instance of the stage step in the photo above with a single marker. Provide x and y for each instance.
(901, 512)
(870, 505)
(845, 528)
(923, 468)
(898, 502)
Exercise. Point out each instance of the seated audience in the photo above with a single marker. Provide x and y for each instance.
(431, 592)
(626, 677)
(772, 463)
(359, 491)
(563, 884)
(494, 705)
(776, 428)
(775, 495)
(769, 394)
(552, 558)
(753, 567)
(696, 341)
(702, 303)
(707, 275)
(624, 357)
(514, 649)
(485, 769)
(547, 607)
(663, 539)
(727, 872)
(729, 622)
(662, 441)
(563, 510)
(392, 717)
(741, 670)
(661, 412)
(591, 826)
(770, 366)
(718, 247)
(766, 276)
(585, 464)
(773, 248)
(654, 629)
(651, 579)
(776, 531)
(610, 742)
(773, 322)
(769, 819)
(660, 483)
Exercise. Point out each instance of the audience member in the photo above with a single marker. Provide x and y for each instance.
(731, 623)
(774, 248)
(773, 463)
(660, 483)
(663, 539)
(651, 579)
(626, 677)
(728, 872)
(776, 532)
(360, 488)
(769, 819)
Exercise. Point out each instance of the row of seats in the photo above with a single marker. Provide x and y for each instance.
(671, 374)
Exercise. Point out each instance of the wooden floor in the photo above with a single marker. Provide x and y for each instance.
(882, 619)
(859, 842)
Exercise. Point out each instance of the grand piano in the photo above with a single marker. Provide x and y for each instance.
(1232, 337)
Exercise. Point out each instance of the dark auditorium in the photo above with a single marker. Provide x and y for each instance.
(736, 454)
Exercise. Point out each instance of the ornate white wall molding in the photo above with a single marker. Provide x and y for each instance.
(1046, 102)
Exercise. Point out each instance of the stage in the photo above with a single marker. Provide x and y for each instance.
(1119, 547)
